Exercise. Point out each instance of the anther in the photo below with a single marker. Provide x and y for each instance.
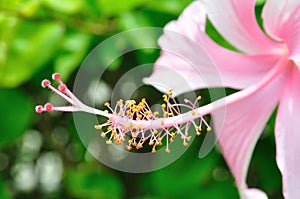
(128, 148)
(102, 135)
(193, 113)
(98, 127)
(108, 142)
(153, 150)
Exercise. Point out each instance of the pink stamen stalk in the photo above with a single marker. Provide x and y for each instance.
(135, 122)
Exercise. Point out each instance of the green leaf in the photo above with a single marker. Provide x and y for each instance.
(87, 184)
(65, 6)
(25, 8)
(170, 6)
(149, 197)
(190, 172)
(73, 49)
(17, 112)
(108, 7)
(31, 45)
(3, 191)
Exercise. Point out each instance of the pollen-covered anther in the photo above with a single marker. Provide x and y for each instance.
(153, 150)
(185, 143)
(128, 148)
(193, 112)
(98, 127)
(168, 150)
(139, 146)
(156, 114)
(165, 98)
(102, 134)
(199, 128)
(208, 129)
(108, 142)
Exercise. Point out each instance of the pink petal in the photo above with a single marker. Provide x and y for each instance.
(288, 137)
(276, 13)
(236, 22)
(282, 21)
(188, 53)
(253, 194)
(247, 112)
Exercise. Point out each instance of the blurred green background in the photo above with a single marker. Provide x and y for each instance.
(41, 156)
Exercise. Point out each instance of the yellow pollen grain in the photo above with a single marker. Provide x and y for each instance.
(165, 98)
(98, 127)
(102, 135)
(185, 144)
(140, 127)
(108, 142)
(193, 113)
(133, 135)
(199, 128)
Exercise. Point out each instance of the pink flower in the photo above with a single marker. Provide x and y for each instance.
(266, 70)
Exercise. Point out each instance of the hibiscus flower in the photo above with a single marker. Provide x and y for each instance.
(265, 68)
